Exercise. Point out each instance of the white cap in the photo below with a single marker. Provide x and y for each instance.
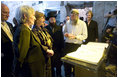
(75, 10)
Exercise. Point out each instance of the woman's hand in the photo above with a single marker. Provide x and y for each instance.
(50, 53)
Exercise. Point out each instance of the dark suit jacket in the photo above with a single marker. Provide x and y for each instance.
(92, 31)
(6, 44)
(57, 36)
(7, 50)
(28, 50)
(58, 44)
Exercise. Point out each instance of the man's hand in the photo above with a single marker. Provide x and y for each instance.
(71, 36)
(66, 34)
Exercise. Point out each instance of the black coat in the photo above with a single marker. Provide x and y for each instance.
(92, 31)
(7, 50)
(58, 38)
(58, 45)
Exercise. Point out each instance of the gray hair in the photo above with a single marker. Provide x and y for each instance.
(21, 11)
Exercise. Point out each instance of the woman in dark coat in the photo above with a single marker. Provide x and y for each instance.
(29, 58)
(45, 38)
(92, 28)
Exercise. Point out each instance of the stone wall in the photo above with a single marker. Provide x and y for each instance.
(55, 5)
(100, 9)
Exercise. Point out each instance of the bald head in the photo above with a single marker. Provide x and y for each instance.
(4, 12)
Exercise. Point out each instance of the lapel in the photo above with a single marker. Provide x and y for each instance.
(3, 33)
(32, 34)
(89, 26)
(36, 38)
(50, 30)
(10, 27)
(90, 23)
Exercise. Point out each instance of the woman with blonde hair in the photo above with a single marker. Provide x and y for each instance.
(29, 58)
(92, 28)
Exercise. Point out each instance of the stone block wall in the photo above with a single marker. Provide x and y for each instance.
(100, 9)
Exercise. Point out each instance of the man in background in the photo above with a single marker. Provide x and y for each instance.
(75, 32)
(58, 43)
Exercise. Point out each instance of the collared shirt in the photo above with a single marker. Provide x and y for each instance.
(7, 30)
(79, 30)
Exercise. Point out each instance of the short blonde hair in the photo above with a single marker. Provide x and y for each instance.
(90, 13)
(23, 10)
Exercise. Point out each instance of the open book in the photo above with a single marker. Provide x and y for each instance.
(90, 53)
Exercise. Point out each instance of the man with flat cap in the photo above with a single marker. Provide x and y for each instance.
(75, 32)
(6, 43)
(58, 43)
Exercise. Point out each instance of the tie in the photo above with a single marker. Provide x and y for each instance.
(5, 27)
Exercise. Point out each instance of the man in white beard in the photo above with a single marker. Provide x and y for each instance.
(75, 32)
